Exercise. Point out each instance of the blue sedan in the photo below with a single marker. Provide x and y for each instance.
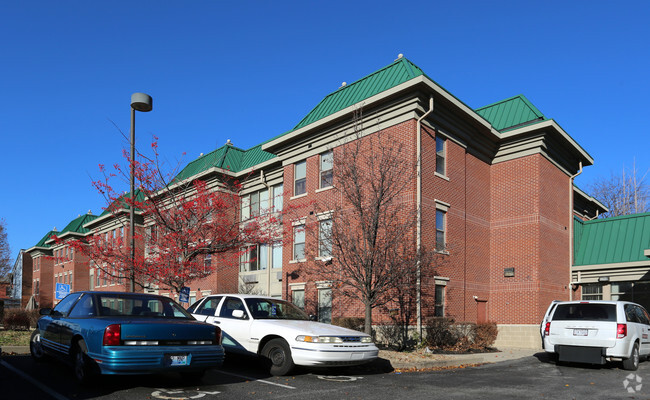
(126, 333)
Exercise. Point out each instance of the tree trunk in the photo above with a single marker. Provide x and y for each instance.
(368, 326)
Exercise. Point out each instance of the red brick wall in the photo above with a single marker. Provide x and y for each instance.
(530, 234)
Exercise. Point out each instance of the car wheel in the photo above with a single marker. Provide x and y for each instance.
(632, 363)
(36, 346)
(279, 355)
(82, 364)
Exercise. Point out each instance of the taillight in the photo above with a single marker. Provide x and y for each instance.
(547, 329)
(621, 331)
(217, 335)
(112, 335)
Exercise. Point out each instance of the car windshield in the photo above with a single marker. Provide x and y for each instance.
(117, 304)
(585, 312)
(274, 309)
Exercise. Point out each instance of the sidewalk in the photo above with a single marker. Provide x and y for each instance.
(403, 361)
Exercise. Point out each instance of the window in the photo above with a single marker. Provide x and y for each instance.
(299, 242)
(300, 178)
(325, 238)
(260, 203)
(207, 261)
(278, 194)
(276, 261)
(92, 278)
(298, 298)
(325, 305)
(592, 291)
(440, 230)
(441, 156)
(98, 276)
(209, 307)
(326, 165)
(72, 253)
(37, 291)
(249, 260)
(439, 310)
(231, 304)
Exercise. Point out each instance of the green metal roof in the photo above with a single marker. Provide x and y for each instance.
(228, 157)
(510, 113)
(611, 240)
(47, 237)
(398, 72)
(77, 224)
(122, 204)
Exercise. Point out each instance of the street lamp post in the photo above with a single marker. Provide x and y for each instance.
(139, 102)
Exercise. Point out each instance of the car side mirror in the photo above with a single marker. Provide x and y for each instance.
(312, 317)
(45, 311)
(239, 314)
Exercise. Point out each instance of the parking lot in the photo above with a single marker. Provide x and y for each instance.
(243, 378)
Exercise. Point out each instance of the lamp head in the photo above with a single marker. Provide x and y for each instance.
(141, 102)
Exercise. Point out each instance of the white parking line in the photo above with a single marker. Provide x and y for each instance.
(34, 382)
(256, 380)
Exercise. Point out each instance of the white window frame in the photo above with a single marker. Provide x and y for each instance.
(441, 155)
(441, 212)
(323, 157)
(301, 179)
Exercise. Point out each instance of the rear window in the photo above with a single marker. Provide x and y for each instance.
(585, 312)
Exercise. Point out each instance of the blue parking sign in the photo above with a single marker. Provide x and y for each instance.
(62, 290)
(185, 295)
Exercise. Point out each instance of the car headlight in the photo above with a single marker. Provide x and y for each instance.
(366, 339)
(319, 339)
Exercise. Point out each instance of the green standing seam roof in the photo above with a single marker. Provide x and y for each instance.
(611, 240)
(226, 157)
(398, 72)
(510, 113)
(48, 236)
(138, 197)
(77, 224)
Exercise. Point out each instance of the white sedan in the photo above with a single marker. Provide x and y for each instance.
(282, 333)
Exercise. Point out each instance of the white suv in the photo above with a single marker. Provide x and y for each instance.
(597, 331)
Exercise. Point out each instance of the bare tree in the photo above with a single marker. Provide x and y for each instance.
(5, 253)
(367, 246)
(624, 193)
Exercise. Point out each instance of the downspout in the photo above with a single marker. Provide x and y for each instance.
(418, 205)
(571, 230)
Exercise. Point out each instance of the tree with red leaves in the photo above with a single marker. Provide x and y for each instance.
(180, 222)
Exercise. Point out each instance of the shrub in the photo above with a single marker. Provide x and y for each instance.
(395, 336)
(484, 335)
(441, 333)
(356, 323)
(17, 319)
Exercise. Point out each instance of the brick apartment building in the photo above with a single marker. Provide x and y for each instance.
(494, 186)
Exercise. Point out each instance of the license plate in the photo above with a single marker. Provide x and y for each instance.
(580, 332)
(178, 359)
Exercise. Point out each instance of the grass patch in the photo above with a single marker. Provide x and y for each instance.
(15, 338)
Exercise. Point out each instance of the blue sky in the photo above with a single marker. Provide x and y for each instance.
(250, 70)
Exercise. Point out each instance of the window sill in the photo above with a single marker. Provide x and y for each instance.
(302, 260)
(324, 189)
(298, 196)
(443, 252)
(439, 175)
